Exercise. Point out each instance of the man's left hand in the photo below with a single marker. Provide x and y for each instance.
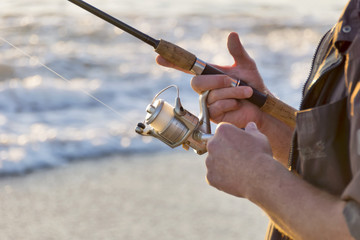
(237, 158)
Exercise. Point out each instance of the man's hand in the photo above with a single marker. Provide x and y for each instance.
(229, 104)
(236, 158)
(223, 100)
(240, 163)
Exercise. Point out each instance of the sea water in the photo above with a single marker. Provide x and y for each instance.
(105, 78)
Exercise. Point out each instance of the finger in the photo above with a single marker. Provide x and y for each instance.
(229, 93)
(225, 132)
(237, 50)
(261, 139)
(218, 109)
(165, 63)
(252, 128)
(203, 83)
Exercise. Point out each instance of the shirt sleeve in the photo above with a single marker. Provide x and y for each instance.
(351, 193)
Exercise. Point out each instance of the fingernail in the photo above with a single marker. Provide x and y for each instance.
(251, 125)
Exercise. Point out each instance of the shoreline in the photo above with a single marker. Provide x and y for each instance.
(125, 197)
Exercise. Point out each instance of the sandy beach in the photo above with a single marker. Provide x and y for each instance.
(139, 196)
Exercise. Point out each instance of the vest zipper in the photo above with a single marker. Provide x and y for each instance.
(291, 160)
(291, 152)
(314, 58)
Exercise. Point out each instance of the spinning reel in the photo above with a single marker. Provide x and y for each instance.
(175, 125)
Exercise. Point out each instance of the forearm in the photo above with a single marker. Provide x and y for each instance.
(279, 136)
(296, 207)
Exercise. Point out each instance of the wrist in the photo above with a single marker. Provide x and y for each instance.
(267, 122)
(264, 178)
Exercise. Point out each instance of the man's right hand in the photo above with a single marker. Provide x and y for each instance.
(229, 104)
(224, 101)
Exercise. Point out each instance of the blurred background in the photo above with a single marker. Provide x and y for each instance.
(51, 122)
(46, 121)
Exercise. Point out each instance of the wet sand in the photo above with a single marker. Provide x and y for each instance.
(145, 196)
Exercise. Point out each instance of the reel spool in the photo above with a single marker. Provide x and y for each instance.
(176, 126)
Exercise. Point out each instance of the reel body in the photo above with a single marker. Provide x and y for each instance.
(176, 126)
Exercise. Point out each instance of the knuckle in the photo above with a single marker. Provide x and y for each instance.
(223, 128)
(208, 162)
(211, 146)
(209, 179)
(212, 97)
(214, 180)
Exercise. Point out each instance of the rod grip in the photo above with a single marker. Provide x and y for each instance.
(176, 55)
(280, 110)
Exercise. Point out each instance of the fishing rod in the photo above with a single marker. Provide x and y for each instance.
(189, 62)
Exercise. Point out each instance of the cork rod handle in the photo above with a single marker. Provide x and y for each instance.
(280, 110)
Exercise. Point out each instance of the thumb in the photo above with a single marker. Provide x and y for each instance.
(237, 50)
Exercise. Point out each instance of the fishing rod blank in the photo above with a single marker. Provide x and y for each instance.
(116, 22)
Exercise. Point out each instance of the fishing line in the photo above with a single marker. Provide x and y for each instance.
(63, 78)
